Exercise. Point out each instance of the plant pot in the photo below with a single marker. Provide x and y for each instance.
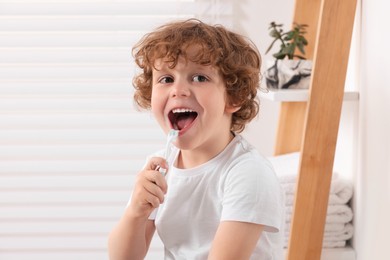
(288, 74)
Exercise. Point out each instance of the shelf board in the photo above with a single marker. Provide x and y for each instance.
(299, 95)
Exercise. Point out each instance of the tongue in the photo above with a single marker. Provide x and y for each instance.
(184, 122)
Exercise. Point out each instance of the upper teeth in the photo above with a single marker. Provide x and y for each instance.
(182, 110)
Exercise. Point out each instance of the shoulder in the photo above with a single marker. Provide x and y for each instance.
(247, 169)
(241, 148)
(251, 187)
(245, 158)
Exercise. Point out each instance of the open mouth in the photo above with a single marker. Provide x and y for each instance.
(182, 117)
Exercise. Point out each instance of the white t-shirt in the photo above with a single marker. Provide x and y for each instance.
(236, 185)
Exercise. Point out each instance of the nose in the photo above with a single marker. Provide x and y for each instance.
(180, 89)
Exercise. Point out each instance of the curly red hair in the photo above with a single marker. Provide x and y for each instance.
(236, 58)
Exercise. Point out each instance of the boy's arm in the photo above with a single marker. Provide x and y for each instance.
(131, 237)
(235, 240)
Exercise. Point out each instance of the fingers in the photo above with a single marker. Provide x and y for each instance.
(155, 163)
(153, 193)
(157, 179)
(150, 187)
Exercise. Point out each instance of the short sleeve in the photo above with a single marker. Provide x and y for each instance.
(252, 193)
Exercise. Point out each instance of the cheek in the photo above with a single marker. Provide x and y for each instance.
(216, 101)
(157, 105)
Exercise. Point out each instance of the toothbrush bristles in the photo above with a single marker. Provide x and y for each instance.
(172, 135)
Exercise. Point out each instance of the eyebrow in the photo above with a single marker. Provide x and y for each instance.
(163, 65)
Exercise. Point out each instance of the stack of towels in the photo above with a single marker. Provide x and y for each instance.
(338, 226)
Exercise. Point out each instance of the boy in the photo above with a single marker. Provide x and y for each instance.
(220, 199)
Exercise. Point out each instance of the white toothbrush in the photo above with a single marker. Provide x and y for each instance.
(171, 137)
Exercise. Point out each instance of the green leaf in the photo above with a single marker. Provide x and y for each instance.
(300, 57)
(279, 56)
(274, 33)
(291, 41)
(272, 25)
(290, 48)
(271, 45)
(301, 48)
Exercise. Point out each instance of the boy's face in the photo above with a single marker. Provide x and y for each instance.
(192, 99)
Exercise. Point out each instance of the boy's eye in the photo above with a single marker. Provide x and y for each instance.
(200, 78)
(165, 80)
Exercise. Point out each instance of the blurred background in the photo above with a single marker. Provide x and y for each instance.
(71, 140)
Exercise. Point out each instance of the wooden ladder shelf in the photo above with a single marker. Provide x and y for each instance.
(312, 127)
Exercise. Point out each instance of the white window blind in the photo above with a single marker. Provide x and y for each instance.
(71, 141)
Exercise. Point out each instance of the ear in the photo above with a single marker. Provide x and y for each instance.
(230, 109)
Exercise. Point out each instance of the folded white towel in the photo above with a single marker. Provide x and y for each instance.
(329, 227)
(334, 214)
(344, 234)
(325, 243)
(287, 166)
(335, 236)
(341, 192)
(338, 228)
(332, 238)
(333, 244)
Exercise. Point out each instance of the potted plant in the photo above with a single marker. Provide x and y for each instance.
(290, 69)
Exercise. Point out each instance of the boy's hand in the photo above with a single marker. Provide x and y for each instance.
(149, 190)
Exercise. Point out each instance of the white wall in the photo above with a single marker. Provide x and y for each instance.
(372, 200)
(363, 151)
(252, 18)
